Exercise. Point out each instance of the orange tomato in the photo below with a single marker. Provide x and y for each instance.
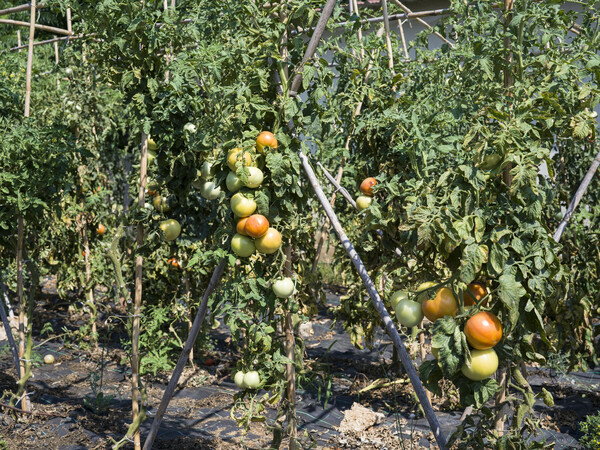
(173, 262)
(483, 330)
(443, 304)
(240, 228)
(256, 226)
(265, 139)
(101, 229)
(270, 242)
(478, 291)
(366, 187)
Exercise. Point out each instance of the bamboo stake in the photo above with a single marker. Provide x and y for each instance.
(39, 26)
(183, 357)
(388, 40)
(577, 198)
(137, 308)
(188, 296)
(8, 330)
(312, 46)
(16, 9)
(26, 367)
(507, 177)
(29, 59)
(69, 22)
(417, 17)
(19, 40)
(290, 370)
(404, 48)
(88, 280)
(423, 354)
(50, 41)
(378, 304)
(359, 31)
(55, 50)
(23, 319)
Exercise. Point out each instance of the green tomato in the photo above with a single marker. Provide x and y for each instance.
(209, 190)
(242, 206)
(409, 313)
(397, 296)
(238, 379)
(363, 202)
(491, 161)
(483, 365)
(49, 359)
(152, 147)
(233, 183)
(283, 288)
(171, 229)
(161, 203)
(207, 171)
(252, 379)
(425, 295)
(151, 156)
(242, 245)
(255, 177)
(189, 127)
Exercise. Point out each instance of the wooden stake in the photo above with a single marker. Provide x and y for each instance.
(8, 330)
(577, 198)
(417, 17)
(41, 27)
(88, 280)
(22, 304)
(137, 307)
(290, 370)
(312, 45)
(507, 178)
(378, 304)
(183, 357)
(16, 9)
(388, 40)
(19, 40)
(404, 47)
(188, 296)
(423, 354)
(29, 59)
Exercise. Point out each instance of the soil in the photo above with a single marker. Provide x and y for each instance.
(370, 407)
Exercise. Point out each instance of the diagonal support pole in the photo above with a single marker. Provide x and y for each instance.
(376, 299)
(183, 358)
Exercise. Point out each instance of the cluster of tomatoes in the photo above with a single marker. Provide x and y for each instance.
(364, 200)
(253, 231)
(483, 330)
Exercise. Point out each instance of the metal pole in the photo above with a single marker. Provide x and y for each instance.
(377, 302)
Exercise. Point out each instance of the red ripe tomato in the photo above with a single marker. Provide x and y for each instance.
(173, 262)
(366, 187)
(209, 362)
(256, 226)
(101, 229)
(478, 291)
(265, 139)
(444, 304)
(483, 330)
(240, 228)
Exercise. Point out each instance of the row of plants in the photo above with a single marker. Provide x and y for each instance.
(449, 145)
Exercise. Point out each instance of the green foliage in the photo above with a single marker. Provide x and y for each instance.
(591, 432)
